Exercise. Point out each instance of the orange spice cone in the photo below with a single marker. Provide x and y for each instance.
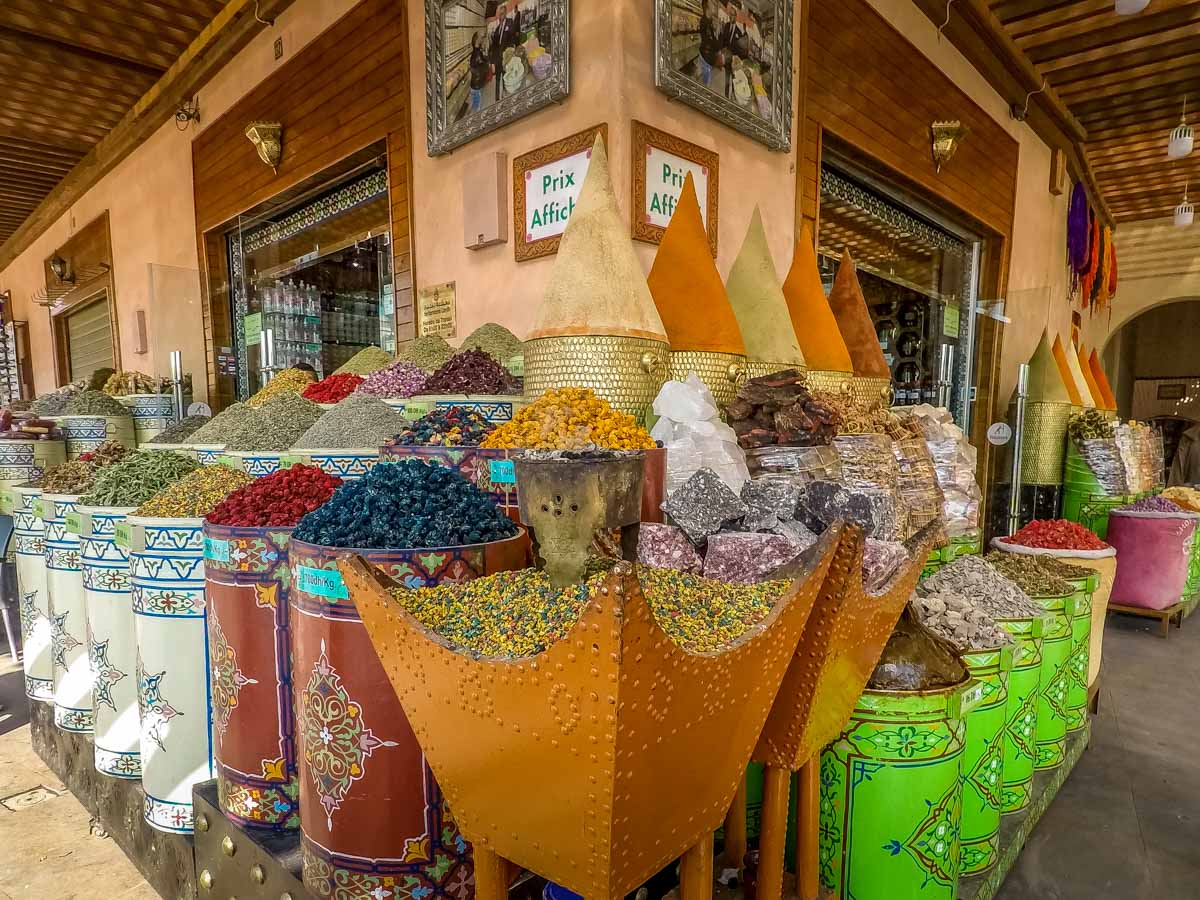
(1110, 399)
(1064, 370)
(812, 317)
(854, 322)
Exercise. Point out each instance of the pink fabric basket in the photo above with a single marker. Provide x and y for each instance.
(1153, 550)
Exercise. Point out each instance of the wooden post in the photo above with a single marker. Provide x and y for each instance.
(773, 837)
(807, 835)
(695, 871)
(491, 874)
(735, 828)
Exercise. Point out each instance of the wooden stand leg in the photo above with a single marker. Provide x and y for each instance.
(807, 834)
(695, 871)
(772, 840)
(491, 875)
(735, 829)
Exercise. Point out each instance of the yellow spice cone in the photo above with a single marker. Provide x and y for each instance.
(687, 287)
(1110, 399)
(1064, 370)
(1045, 377)
(597, 287)
(758, 302)
(1093, 388)
(1085, 392)
(812, 318)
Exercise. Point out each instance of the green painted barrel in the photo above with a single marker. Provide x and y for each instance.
(1055, 684)
(1021, 710)
(891, 796)
(1084, 500)
(983, 760)
(1081, 645)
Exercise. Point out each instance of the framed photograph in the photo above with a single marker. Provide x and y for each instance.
(546, 184)
(661, 163)
(490, 62)
(731, 59)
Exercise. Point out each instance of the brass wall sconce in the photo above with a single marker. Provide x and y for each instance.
(267, 138)
(61, 269)
(945, 137)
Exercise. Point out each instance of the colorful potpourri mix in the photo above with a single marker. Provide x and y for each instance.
(1056, 534)
(399, 380)
(444, 427)
(196, 495)
(333, 389)
(280, 499)
(570, 419)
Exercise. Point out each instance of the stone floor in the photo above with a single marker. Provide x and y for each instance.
(1126, 825)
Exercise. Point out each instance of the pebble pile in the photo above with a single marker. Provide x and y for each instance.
(453, 427)
(218, 429)
(196, 495)
(571, 419)
(288, 381)
(276, 425)
(405, 505)
(137, 478)
(401, 379)
(989, 591)
(496, 341)
(955, 618)
(1056, 534)
(181, 431)
(429, 351)
(93, 403)
(472, 372)
(359, 421)
(280, 499)
(365, 361)
(1029, 574)
(333, 389)
(516, 614)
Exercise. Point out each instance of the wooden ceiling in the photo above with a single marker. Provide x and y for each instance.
(1124, 78)
(71, 70)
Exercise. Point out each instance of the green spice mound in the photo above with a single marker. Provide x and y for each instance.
(94, 403)
(276, 425)
(222, 425)
(196, 495)
(365, 361)
(513, 614)
(1026, 571)
(430, 352)
(496, 341)
(137, 478)
(55, 402)
(181, 430)
(359, 421)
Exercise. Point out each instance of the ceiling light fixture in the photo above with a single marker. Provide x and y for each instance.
(1131, 7)
(1185, 212)
(1182, 140)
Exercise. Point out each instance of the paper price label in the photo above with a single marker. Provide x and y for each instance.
(43, 509)
(231, 461)
(123, 535)
(286, 462)
(325, 583)
(216, 549)
(8, 503)
(502, 471)
(74, 523)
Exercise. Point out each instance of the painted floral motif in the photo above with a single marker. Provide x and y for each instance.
(1056, 692)
(62, 641)
(908, 741)
(156, 712)
(73, 719)
(120, 765)
(109, 579)
(1022, 727)
(106, 674)
(988, 774)
(827, 821)
(31, 616)
(277, 806)
(336, 741)
(227, 679)
(934, 842)
(168, 816)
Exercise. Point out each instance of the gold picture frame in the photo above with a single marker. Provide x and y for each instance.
(524, 248)
(645, 138)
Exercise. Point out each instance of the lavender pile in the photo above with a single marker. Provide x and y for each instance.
(400, 379)
(1154, 504)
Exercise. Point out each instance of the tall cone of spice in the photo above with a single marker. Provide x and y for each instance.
(1106, 391)
(1064, 369)
(761, 310)
(829, 365)
(695, 309)
(1085, 392)
(872, 377)
(1047, 412)
(597, 326)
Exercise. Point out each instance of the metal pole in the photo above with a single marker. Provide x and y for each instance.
(1014, 501)
(177, 383)
(945, 376)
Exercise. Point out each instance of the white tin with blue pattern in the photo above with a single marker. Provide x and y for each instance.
(68, 617)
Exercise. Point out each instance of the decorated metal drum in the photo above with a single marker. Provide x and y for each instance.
(892, 794)
(151, 413)
(85, 433)
(37, 633)
(348, 465)
(68, 619)
(250, 670)
(166, 566)
(1081, 637)
(1021, 711)
(22, 461)
(206, 454)
(371, 816)
(112, 643)
(256, 462)
(1055, 685)
(983, 760)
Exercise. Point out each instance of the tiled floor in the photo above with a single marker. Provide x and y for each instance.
(1126, 825)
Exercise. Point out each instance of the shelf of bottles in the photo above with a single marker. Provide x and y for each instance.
(10, 375)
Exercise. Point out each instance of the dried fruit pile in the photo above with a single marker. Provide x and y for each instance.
(778, 409)
(280, 499)
(570, 419)
(1056, 534)
(289, 380)
(30, 428)
(472, 372)
(453, 427)
(196, 495)
(333, 389)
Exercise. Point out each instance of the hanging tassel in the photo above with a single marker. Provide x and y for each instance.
(1112, 276)
(1088, 278)
(1078, 230)
(1105, 268)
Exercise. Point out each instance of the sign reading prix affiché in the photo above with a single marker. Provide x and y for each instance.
(437, 312)
(661, 164)
(546, 187)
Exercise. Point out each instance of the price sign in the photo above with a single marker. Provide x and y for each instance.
(216, 549)
(325, 583)
(502, 471)
(232, 461)
(43, 509)
(8, 503)
(123, 535)
(286, 462)
(74, 522)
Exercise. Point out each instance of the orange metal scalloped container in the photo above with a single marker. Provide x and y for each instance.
(613, 752)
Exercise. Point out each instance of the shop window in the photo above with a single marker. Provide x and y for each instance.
(86, 337)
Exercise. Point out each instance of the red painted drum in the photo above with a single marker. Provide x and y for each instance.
(372, 819)
(250, 670)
